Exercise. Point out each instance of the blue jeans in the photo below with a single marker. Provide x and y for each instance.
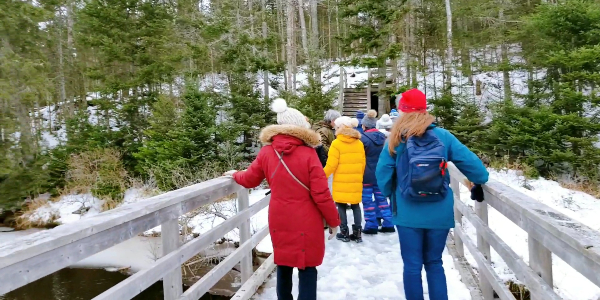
(307, 285)
(420, 247)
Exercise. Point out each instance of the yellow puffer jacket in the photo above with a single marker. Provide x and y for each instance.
(346, 162)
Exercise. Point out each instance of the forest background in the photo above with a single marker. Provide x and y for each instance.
(100, 95)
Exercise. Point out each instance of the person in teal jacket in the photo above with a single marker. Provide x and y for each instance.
(423, 226)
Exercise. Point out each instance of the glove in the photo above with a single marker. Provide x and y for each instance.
(229, 173)
(332, 232)
(477, 193)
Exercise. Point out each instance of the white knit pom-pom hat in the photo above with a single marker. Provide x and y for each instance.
(287, 115)
(385, 122)
(346, 121)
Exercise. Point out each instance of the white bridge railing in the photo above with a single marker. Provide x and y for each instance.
(549, 232)
(37, 255)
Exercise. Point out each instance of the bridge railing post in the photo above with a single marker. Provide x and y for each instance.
(540, 261)
(243, 202)
(172, 281)
(481, 210)
(455, 185)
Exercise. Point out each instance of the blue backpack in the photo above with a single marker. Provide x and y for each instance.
(424, 168)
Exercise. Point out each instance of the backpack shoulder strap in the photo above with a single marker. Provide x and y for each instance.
(288, 170)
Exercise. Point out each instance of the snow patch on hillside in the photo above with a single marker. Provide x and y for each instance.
(74, 207)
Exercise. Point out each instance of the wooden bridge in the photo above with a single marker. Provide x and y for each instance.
(550, 232)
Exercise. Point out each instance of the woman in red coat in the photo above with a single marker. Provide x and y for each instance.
(298, 205)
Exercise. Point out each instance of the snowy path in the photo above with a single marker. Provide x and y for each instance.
(368, 271)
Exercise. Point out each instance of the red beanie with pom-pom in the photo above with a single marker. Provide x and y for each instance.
(413, 101)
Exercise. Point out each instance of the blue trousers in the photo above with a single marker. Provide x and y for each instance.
(420, 247)
(307, 285)
(373, 209)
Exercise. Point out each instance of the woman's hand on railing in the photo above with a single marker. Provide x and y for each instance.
(477, 193)
(332, 232)
(229, 173)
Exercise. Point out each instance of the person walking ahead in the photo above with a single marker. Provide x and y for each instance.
(300, 199)
(375, 205)
(417, 153)
(346, 162)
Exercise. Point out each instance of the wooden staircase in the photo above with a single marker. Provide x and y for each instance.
(354, 99)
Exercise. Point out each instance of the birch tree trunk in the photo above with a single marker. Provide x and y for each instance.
(504, 56)
(337, 28)
(450, 50)
(61, 67)
(291, 53)
(329, 44)
(266, 51)
(315, 53)
(303, 32)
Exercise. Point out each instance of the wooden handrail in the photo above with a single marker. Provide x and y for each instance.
(34, 256)
(549, 232)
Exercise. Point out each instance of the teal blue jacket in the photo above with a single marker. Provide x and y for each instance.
(429, 215)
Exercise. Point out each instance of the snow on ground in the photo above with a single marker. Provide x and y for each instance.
(569, 284)
(70, 208)
(368, 271)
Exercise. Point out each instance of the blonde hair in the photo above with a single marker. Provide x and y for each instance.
(408, 125)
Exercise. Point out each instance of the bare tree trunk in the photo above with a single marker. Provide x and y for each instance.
(337, 28)
(303, 32)
(61, 69)
(291, 53)
(394, 64)
(314, 39)
(381, 94)
(329, 29)
(70, 25)
(450, 50)
(280, 16)
(504, 57)
(266, 51)
(26, 143)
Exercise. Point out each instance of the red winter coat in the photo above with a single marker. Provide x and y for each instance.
(295, 214)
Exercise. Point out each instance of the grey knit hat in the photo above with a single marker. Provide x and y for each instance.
(370, 119)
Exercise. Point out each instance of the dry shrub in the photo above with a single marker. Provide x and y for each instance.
(519, 291)
(99, 171)
(514, 164)
(578, 183)
(26, 219)
(171, 177)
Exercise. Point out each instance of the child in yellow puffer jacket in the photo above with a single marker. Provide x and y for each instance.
(346, 161)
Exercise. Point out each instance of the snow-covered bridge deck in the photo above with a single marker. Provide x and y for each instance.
(371, 270)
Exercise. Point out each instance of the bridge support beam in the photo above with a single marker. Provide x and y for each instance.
(540, 260)
(172, 281)
(245, 235)
(481, 209)
(460, 250)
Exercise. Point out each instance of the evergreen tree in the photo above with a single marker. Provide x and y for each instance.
(174, 143)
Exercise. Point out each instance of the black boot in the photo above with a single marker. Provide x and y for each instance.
(379, 221)
(356, 233)
(343, 234)
(387, 229)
